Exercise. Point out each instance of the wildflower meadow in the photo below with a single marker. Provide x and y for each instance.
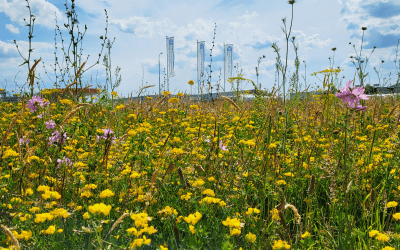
(172, 172)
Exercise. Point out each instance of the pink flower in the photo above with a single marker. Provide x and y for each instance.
(361, 108)
(50, 124)
(352, 96)
(221, 146)
(33, 103)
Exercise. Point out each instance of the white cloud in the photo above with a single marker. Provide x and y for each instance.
(7, 50)
(12, 28)
(309, 42)
(142, 27)
(44, 11)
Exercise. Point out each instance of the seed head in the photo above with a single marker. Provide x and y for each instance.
(364, 28)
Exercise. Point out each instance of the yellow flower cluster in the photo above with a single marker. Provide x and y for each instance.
(250, 211)
(210, 200)
(208, 192)
(391, 204)
(139, 242)
(106, 193)
(249, 143)
(100, 208)
(47, 193)
(25, 235)
(305, 235)
(280, 245)
(198, 183)
(396, 216)
(173, 100)
(251, 237)
(120, 106)
(388, 248)
(141, 219)
(114, 94)
(177, 151)
(275, 214)
(40, 218)
(49, 230)
(234, 225)
(186, 197)
(65, 102)
(9, 153)
(193, 218)
(168, 211)
(59, 212)
(378, 236)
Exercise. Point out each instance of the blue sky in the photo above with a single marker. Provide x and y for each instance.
(140, 28)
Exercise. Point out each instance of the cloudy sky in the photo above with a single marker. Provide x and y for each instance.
(140, 29)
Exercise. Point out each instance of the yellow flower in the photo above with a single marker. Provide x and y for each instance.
(43, 217)
(305, 235)
(281, 182)
(34, 209)
(193, 218)
(252, 210)
(106, 193)
(232, 222)
(191, 82)
(114, 94)
(86, 216)
(208, 192)
(275, 214)
(198, 183)
(60, 230)
(50, 230)
(25, 235)
(388, 248)
(373, 233)
(280, 245)
(391, 204)
(100, 208)
(9, 153)
(251, 237)
(396, 216)
(173, 100)
(192, 230)
(382, 238)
